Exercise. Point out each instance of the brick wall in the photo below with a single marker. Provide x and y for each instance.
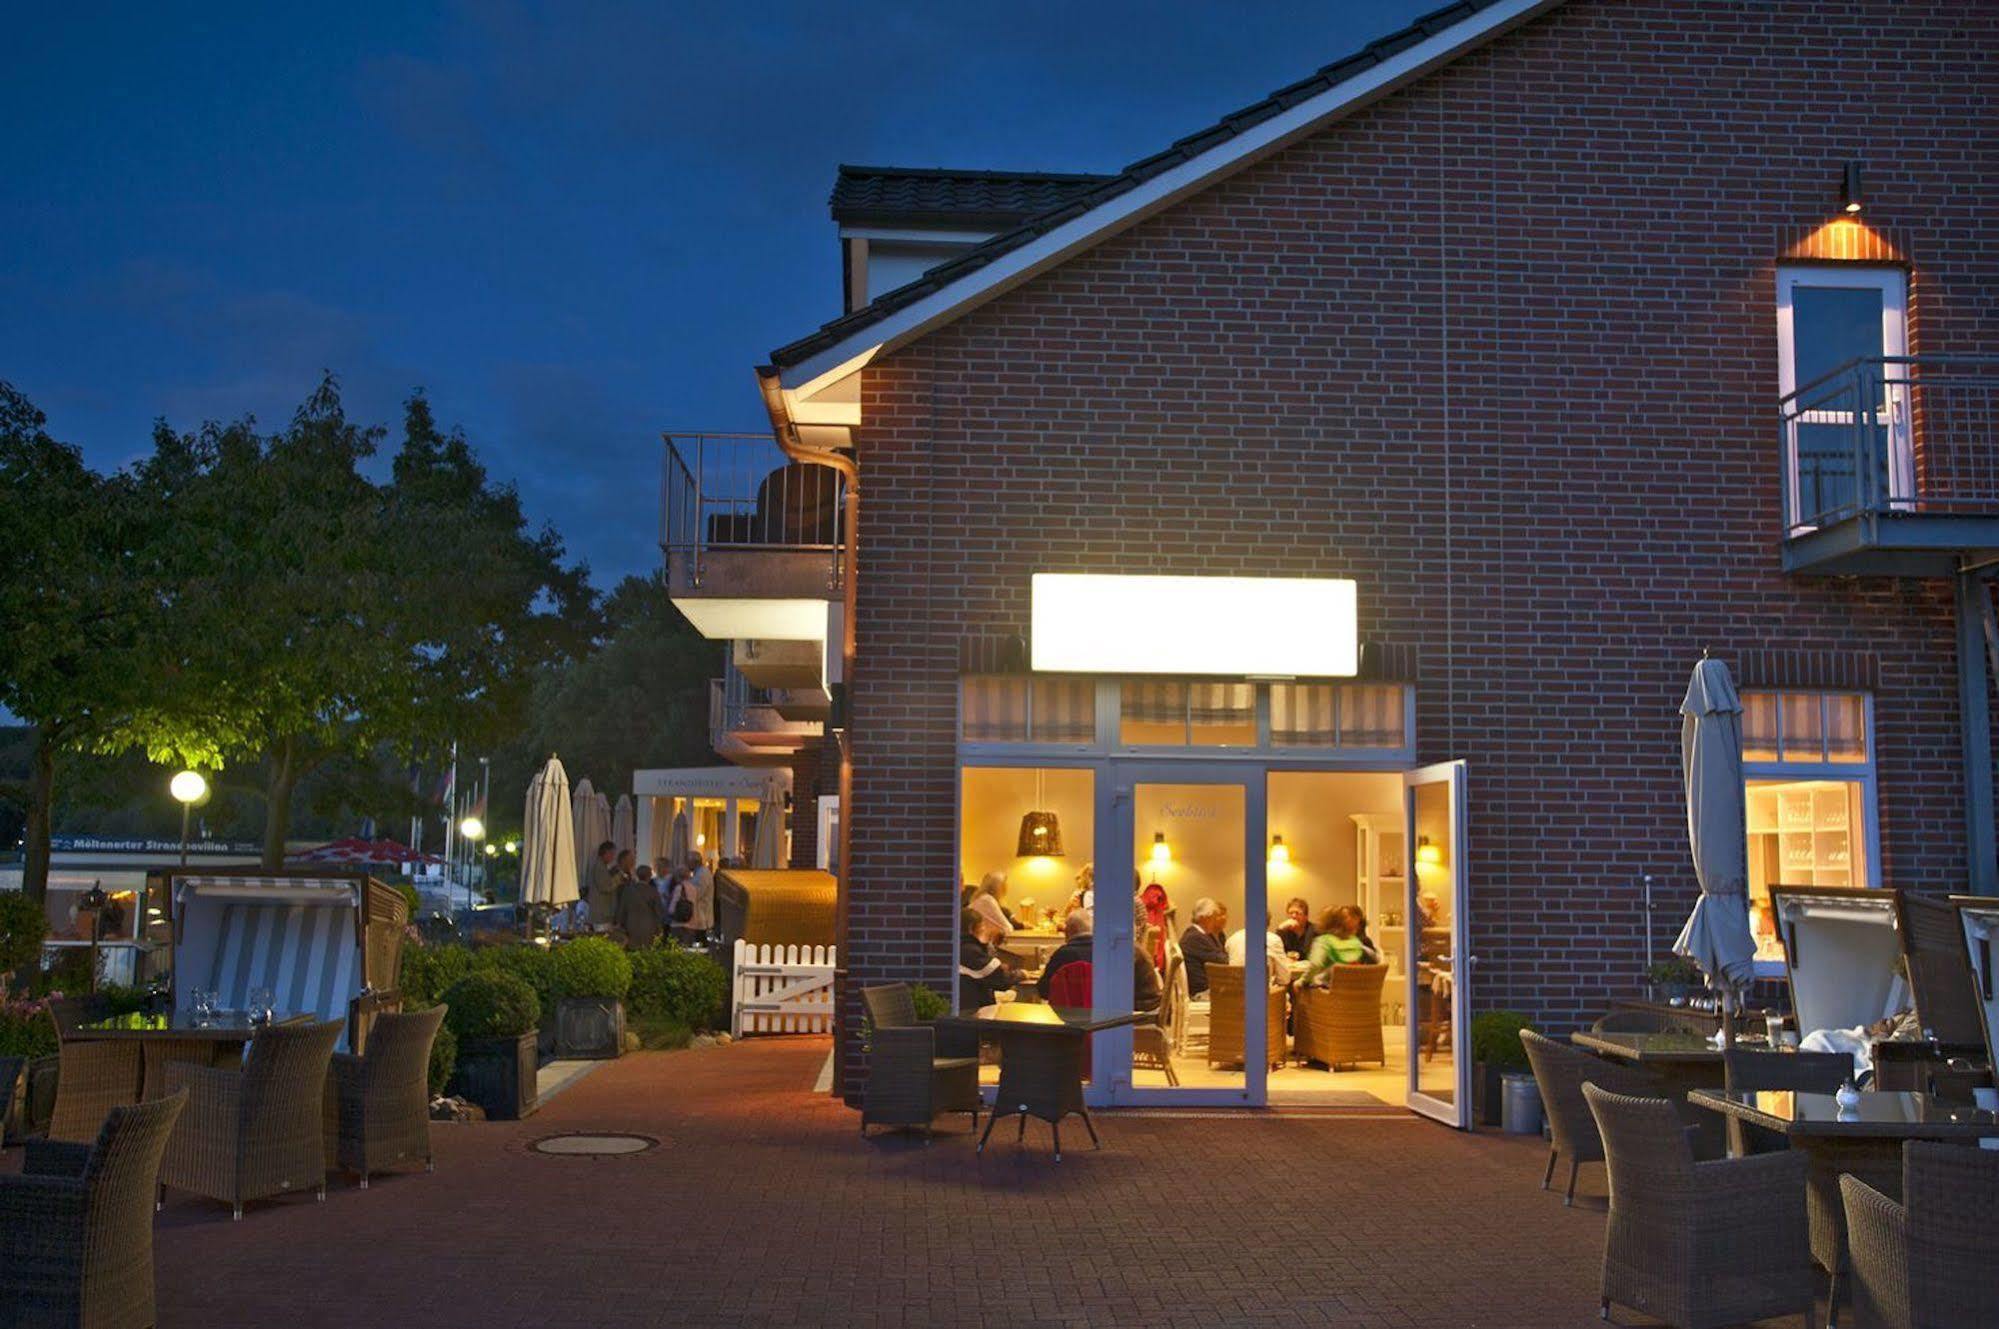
(1500, 347)
(805, 807)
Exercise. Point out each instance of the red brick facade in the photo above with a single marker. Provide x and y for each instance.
(1501, 348)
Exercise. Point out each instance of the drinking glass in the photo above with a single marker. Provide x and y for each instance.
(203, 1002)
(260, 1005)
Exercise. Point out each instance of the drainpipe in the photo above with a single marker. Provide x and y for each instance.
(786, 433)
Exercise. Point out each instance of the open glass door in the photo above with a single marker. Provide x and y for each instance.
(1436, 965)
(1181, 837)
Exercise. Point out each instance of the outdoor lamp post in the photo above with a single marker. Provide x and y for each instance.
(189, 788)
(474, 831)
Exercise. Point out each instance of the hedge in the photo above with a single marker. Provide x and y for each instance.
(679, 985)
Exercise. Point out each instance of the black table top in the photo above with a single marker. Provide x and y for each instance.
(1033, 1016)
(221, 1027)
(1878, 1115)
(1642, 1048)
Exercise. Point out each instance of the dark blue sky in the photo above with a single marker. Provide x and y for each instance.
(573, 225)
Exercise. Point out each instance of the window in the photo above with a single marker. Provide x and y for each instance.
(1060, 710)
(1808, 764)
(1337, 715)
(1829, 316)
(1043, 708)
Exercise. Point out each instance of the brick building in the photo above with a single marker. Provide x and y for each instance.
(1579, 338)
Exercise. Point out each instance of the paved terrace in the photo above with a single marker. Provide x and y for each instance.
(762, 1206)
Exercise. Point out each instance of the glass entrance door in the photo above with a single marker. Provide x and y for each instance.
(1179, 875)
(1436, 966)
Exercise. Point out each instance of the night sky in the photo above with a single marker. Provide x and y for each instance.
(572, 225)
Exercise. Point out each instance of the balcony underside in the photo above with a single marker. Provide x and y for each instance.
(752, 574)
(763, 747)
(1894, 545)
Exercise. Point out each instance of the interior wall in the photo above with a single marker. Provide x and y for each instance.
(993, 801)
(1313, 811)
(1203, 825)
(1433, 819)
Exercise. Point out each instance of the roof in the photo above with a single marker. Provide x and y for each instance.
(930, 196)
(1094, 212)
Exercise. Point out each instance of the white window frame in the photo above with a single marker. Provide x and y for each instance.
(1849, 772)
(1892, 283)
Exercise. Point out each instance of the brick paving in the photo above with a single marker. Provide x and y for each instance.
(763, 1206)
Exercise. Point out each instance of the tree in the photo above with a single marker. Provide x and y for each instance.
(87, 642)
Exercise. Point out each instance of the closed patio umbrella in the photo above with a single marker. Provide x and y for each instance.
(623, 833)
(681, 843)
(593, 824)
(768, 851)
(1717, 936)
(548, 840)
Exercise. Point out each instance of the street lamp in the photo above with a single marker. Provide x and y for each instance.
(189, 788)
(474, 831)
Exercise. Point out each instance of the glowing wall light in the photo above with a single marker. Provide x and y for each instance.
(1280, 853)
(1161, 853)
(1851, 194)
(1288, 627)
(1427, 854)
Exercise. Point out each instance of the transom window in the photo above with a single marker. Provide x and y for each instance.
(1186, 713)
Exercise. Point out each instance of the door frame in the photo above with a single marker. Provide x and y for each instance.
(1117, 855)
(1455, 1113)
(1892, 284)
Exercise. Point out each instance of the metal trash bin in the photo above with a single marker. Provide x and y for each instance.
(1519, 1104)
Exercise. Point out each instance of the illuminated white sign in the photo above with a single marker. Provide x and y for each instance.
(1287, 627)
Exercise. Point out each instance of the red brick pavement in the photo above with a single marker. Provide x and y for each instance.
(763, 1206)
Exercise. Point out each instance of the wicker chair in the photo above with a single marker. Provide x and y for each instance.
(76, 1226)
(1340, 1024)
(10, 1076)
(1643, 1022)
(1226, 1012)
(1697, 1244)
(1560, 1072)
(1927, 1262)
(260, 1130)
(95, 1075)
(378, 1104)
(908, 1083)
(1750, 1072)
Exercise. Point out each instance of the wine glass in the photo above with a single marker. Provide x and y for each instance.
(203, 1002)
(260, 1005)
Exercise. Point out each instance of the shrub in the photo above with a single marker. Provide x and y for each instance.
(1675, 969)
(530, 964)
(491, 1004)
(661, 1034)
(928, 1004)
(26, 1031)
(428, 971)
(410, 898)
(672, 983)
(443, 1058)
(1495, 1039)
(591, 967)
(23, 928)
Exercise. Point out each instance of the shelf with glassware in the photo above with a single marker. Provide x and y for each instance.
(1380, 865)
(1801, 833)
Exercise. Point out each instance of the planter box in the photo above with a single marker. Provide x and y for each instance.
(1485, 1093)
(499, 1075)
(34, 1100)
(590, 1027)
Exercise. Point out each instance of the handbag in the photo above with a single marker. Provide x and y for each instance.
(683, 908)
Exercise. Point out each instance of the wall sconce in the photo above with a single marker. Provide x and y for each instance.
(1851, 195)
(1160, 853)
(1428, 855)
(1280, 853)
(1040, 836)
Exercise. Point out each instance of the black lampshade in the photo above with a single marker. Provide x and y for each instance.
(1852, 193)
(1040, 836)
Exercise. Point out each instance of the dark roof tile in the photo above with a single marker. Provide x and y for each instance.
(930, 196)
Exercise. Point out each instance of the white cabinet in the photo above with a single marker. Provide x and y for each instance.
(1379, 867)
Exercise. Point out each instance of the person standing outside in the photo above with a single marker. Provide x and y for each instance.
(700, 891)
(600, 886)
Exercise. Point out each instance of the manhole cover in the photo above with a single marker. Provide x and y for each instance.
(593, 1144)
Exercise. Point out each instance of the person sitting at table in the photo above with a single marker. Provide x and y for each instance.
(1077, 928)
(1146, 991)
(1085, 894)
(993, 886)
(1158, 909)
(982, 974)
(986, 907)
(1336, 944)
(1201, 944)
(1296, 931)
(1277, 965)
(1369, 950)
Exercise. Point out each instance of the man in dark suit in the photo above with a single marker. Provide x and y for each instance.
(1203, 943)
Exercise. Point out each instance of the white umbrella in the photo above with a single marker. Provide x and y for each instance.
(593, 824)
(623, 834)
(769, 848)
(1717, 936)
(548, 840)
(681, 843)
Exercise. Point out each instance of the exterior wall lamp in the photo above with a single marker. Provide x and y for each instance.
(1851, 193)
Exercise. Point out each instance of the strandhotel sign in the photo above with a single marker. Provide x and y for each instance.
(1281, 627)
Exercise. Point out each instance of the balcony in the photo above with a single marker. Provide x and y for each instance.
(755, 726)
(1891, 468)
(740, 520)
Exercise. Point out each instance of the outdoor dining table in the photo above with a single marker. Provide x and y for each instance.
(1044, 1056)
(210, 1040)
(1865, 1140)
(1682, 1063)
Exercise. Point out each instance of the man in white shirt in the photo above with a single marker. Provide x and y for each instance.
(1278, 970)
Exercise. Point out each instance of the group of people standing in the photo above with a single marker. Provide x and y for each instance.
(641, 901)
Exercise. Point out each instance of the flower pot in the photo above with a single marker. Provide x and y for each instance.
(1520, 1104)
(1485, 1078)
(499, 1075)
(592, 1028)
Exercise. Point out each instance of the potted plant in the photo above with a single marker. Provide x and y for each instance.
(493, 1016)
(1674, 979)
(1495, 1051)
(590, 977)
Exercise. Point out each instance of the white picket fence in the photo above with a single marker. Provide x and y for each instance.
(782, 990)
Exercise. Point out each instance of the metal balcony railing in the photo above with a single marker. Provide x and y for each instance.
(740, 491)
(736, 705)
(1896, 435)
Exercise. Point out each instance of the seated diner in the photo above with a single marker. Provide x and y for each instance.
(982, 974)
(1202, 945)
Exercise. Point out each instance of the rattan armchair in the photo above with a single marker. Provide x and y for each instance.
(1750, 1072)
(1340, 1024)
(908, 1083)
(76, 1226)
(10, 1076)
(1932, 1260)
(1697, 1245)
(94, 1076)
(378, 1104)
(260, 1130)
(1560, 1072)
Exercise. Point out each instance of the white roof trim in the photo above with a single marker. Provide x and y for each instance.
(1134, 205)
